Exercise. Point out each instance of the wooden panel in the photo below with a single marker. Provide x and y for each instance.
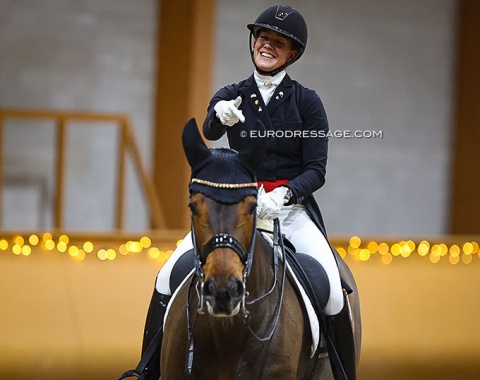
(182, 92)
(465, 205)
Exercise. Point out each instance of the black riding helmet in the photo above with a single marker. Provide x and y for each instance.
(285, 20)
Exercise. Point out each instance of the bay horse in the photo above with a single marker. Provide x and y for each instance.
(254, 326)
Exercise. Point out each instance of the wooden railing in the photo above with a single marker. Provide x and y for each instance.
(127, 145)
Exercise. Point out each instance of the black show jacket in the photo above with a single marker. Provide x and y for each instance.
(295, 139)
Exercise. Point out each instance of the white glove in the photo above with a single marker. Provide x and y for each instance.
(228, 112)
(270, 204)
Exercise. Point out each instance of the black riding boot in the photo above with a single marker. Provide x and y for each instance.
(340, 330)
(153, 324)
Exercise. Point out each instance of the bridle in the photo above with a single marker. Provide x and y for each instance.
(221, 240)
(225, 240)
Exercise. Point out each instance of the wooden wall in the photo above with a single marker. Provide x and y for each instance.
(465, 206)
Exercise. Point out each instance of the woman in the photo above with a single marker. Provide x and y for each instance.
(295, 161)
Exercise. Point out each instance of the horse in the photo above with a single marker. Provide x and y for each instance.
(237, 316)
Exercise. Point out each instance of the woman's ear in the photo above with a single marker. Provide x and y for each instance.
(292, 55)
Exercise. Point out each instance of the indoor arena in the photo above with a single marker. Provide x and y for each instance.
(94, 181)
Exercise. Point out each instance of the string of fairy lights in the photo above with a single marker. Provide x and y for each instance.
(25, 246)
(435, 252)
(356, 249)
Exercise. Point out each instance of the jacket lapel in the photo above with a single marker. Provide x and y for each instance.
(253, 98)
(281, 94)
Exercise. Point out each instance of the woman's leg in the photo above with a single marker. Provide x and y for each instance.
(162, 284)
(158, 305)
(307, 238)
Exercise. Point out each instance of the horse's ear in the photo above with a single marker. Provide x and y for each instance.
(253, 152)
(195, 149)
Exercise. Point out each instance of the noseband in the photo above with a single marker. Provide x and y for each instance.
(221, 240)
(228, 241)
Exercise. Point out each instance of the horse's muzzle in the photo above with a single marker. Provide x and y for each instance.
(223, 297)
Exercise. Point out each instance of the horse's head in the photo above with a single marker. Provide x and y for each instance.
(223, 193)
(222, 258)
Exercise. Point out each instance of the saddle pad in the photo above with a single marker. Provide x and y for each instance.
(174, 295)
(312, 316)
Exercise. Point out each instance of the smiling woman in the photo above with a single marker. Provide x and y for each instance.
(272, 50)
(290, 170)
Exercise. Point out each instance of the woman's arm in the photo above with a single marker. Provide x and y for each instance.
(213, 129)
(314, 149)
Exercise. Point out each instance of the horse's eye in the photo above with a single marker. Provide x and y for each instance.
(252, 209)
(193, 208)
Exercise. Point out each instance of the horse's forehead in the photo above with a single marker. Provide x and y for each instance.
(220, 213)
(209, 203)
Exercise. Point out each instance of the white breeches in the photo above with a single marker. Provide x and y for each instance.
(163, 278)
(297, 226)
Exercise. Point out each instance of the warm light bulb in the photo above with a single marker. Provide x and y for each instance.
(102, 254)
(73, 251)
(88, 247)
(372, 247)
(3, 244)
(26, 250)
(145, 242)
(383, 248)
(387, 258)
(19, 240)
(154, 253)
(355, 241)
(33, 240)
(111, 254)
(467, 248)
(17, 249)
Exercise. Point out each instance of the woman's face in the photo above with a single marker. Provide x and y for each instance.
(272, 50)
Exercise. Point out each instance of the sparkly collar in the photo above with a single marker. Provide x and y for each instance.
(267, 82)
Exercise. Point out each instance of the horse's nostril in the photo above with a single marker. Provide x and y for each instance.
(235, 288)
(210, 288)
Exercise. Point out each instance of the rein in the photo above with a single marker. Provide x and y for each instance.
(276, 239)
(228, 241)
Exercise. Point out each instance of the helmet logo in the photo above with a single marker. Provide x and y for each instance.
(283, 11)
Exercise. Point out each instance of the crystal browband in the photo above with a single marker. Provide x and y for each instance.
(224, 185)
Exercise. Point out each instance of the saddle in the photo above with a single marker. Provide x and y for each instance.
(310, 274)
(309, 279)
(306, 274)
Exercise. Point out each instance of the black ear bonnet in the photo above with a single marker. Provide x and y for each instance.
(221, 174)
